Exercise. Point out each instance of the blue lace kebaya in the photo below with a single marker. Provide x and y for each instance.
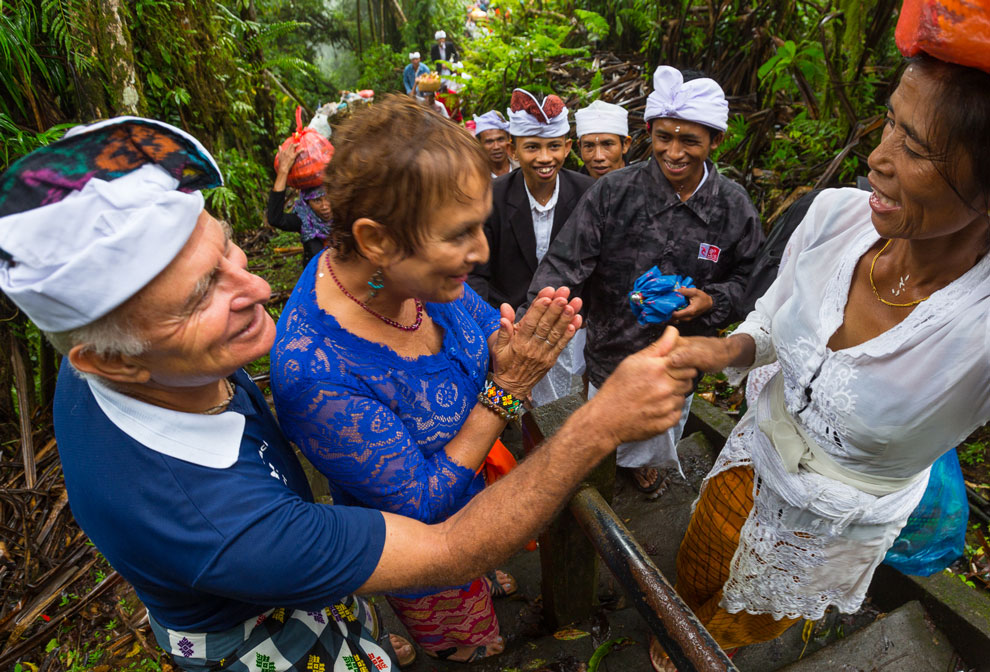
(374, 423)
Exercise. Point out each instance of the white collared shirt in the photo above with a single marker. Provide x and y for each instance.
(543, 219)
(207, 440)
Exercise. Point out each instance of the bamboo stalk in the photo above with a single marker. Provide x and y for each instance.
(23, 410)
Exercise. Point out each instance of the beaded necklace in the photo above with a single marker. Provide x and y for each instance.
(390, 322)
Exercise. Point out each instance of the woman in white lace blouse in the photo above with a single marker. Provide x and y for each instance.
(879, 320)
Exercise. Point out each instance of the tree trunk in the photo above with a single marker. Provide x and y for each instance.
(116, 53)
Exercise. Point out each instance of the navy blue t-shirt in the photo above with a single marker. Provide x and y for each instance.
(206, 547)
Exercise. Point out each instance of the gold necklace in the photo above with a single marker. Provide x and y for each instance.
(874, 286)
(222, 406)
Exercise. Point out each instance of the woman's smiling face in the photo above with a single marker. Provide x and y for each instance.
(911, 197)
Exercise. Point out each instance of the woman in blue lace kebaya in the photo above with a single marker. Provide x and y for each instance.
(380, 368)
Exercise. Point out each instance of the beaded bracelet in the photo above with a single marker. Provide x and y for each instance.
(494, 398)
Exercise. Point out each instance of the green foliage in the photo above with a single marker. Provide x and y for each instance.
(381, 68)
(779, 70)
(17, 142)
(518, 52)
(973, 453)
(242, 198)
(57, 22)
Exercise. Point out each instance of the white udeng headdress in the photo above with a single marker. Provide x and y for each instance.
(80, 236)
(602, 117)
(437, 35)
(524, 124)
(491, 120)
(700, 100)
(413, 54)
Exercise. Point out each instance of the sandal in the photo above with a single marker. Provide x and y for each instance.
(662, 663)
(659, 659)
(495, 587)
(659, 482)
(399, 645)
(480, 651)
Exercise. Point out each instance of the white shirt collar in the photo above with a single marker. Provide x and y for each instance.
(206, 440)
(704, 178)
(551, 204)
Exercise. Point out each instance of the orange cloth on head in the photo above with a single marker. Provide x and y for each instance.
(956, 31)
(705, 556)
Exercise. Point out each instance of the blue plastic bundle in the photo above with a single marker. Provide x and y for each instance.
(654, 298)
(935, 534)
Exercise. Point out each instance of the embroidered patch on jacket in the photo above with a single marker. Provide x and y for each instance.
(709, 252)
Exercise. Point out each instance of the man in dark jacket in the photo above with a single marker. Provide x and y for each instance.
(442, 51)
(674, 211)
(531, 203)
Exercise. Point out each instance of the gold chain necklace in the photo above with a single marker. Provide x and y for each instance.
(222, 406)
(874, 286)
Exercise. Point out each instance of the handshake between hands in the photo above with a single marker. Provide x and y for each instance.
(643, 397)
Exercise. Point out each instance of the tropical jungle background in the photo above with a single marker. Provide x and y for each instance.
(806, 80)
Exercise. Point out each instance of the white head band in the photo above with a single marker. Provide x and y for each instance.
(74, 260)
(523, 124)
(602, 117)
(700, 100)
(490, 121)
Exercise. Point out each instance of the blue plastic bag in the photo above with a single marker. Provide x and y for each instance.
(935, 534)
(654, 298)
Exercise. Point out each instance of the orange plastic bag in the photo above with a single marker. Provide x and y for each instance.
(315, 153)
(498, 462)
(956, 31)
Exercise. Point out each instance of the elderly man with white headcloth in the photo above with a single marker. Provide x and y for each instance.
(675, 212)
(492, 131)
(414, 69)
(442, 50)
(173, 463)
(603, 137)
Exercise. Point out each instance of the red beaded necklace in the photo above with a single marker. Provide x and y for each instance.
(390, 322)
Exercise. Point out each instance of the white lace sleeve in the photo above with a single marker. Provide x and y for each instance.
(757, 325)
(758, 322)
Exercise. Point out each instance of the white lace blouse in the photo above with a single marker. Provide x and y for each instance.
(889, 407)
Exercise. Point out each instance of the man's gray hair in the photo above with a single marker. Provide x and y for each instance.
(109, 336)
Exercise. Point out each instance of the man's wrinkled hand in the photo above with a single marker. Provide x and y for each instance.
(645, 395)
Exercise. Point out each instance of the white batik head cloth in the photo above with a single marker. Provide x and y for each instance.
(413, 55)
(528, 117)
(492, 120)
(700, 100)
(88, 221)
(437, 35)
(602, 117)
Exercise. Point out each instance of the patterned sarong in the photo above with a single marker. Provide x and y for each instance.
(705, 556)
(450, 618)
(347, 636)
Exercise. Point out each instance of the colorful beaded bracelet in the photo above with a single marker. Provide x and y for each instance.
(496, 399)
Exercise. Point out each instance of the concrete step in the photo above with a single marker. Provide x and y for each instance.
(905, 639)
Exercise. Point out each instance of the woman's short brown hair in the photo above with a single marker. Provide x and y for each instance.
(395, 162)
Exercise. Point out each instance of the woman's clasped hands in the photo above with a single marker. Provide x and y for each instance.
(524, 351)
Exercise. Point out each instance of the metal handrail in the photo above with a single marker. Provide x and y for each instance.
(689, 645)
(682, 636)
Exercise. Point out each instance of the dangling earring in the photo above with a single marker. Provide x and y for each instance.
(376, 283)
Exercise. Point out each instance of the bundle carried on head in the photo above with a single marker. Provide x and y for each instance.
(429, 83)
(955, 31)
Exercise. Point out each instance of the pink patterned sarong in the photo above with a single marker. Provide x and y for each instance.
(450, 618)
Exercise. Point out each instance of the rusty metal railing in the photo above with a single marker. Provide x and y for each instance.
(683, 637)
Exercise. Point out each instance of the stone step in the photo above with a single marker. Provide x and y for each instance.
(905, 639)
